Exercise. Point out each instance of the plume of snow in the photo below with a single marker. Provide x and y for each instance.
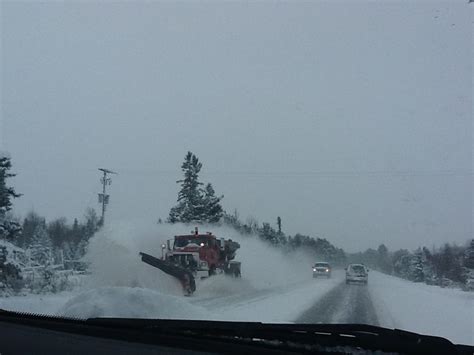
(114, 259)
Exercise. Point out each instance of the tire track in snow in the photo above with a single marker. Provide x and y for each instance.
(343, 304)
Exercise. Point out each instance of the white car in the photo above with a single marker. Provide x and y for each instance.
(322, 269)
(357, 273)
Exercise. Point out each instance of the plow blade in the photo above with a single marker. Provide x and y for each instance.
(185, 276)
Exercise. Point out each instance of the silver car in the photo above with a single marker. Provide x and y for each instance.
(322, 269)
(357, 273)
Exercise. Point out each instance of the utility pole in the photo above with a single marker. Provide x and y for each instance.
(103, 197)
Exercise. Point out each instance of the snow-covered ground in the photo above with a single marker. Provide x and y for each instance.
(424, 309)
(274, 287)
(275, 304)
(38, 304)
(399, 304)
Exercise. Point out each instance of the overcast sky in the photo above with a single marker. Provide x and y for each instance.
(350, 120)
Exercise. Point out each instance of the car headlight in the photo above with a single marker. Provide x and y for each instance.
(327, 270)
(314, 269)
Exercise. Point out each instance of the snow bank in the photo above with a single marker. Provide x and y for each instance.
(422, 308)
(39, 304)
(126, 302)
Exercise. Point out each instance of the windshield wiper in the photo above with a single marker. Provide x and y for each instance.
(304, 336)
(260, 336)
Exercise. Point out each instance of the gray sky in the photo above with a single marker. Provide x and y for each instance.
(350, 120)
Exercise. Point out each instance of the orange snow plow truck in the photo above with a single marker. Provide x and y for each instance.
(191, 256)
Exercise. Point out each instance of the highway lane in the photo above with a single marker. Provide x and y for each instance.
(343, 304)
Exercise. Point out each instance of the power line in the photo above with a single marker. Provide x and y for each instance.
(316, 174)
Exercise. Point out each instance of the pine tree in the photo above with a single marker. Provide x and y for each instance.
(30, 223)
(189, 198)
(428, 270)
(212, 211)
(415, 270)
(469, 256)
(445, 260)
(269, 234)
(9, 229)
(400, 260)
(77, 232)
(194, 203)
(92, 223)
(383, 259)
(41, 246)
(58, 231)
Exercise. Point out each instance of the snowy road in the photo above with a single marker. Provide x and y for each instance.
(343, 304)
(274, 304)
(386, 301)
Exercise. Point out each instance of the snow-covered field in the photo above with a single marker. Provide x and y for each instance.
(421, 308)
(274, 288)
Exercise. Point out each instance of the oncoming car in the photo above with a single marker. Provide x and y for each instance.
(322, 269)
(356, 273)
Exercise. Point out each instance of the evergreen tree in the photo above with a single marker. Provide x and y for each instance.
(415, 270)
(194, 203)
(59, 232)
(190, 203)
(428, 271)
(212, 211)
(269, 234)
(77, 233)
(31, 222)
(383, 261)
(41, 246)
(469, 256)
(92, 224)
(9, 228)
(445, 261)
(401, 262)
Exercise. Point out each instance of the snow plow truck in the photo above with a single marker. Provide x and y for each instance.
(195, 255)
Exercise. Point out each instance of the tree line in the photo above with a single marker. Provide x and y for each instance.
(449, 265)
(36, 247)
(34, 232)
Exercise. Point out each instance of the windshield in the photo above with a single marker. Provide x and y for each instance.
(290, 136)
(358, 269)
(325, 265)
(184, 241)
